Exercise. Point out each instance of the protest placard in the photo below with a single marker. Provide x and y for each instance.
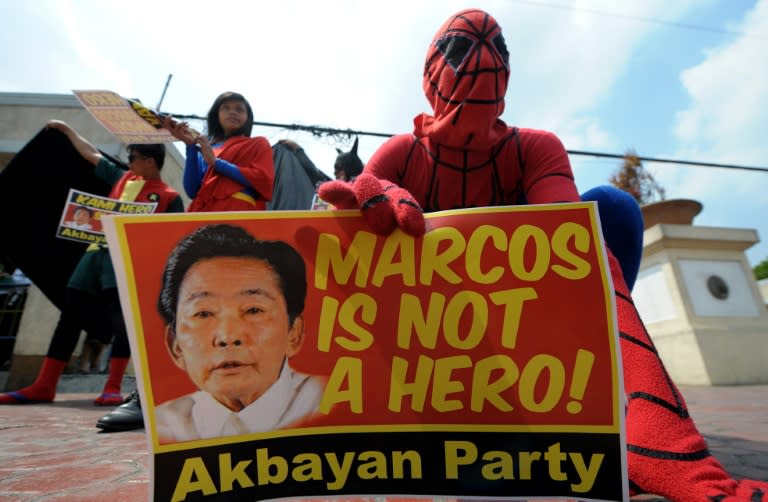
(479, 360)
(82, 214)
(128, 119)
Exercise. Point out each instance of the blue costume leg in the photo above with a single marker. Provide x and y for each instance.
(622, 224)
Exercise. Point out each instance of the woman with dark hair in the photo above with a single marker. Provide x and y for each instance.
(227, 170)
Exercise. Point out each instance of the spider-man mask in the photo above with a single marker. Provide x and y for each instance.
(465, 79)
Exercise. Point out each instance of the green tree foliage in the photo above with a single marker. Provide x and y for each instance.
(761, 270)
(637, 181)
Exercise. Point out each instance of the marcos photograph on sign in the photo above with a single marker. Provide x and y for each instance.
(299, 354)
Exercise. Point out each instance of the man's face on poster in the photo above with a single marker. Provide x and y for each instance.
(232, 329)
(81, 216)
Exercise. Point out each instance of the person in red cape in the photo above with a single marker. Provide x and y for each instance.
(464, 155)
(228, 170)
(92, 301)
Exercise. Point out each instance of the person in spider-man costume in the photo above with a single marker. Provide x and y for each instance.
(464, 155)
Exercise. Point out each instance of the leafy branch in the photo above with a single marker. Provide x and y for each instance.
(633, 178)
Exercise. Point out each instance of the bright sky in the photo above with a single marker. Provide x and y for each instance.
(686, 79)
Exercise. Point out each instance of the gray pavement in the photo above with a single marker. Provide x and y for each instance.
(53, 451)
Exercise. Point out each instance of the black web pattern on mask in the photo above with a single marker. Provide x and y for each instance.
(462, 48)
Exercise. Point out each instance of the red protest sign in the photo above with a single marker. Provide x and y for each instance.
(484, 350)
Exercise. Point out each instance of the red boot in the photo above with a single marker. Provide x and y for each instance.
(111, 395)
(43, 390)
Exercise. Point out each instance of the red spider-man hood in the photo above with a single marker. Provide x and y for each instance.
(465, 80)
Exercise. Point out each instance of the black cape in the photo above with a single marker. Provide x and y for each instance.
(296, 177)
(33, 193)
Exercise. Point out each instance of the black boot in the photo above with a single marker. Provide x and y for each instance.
(125, 417)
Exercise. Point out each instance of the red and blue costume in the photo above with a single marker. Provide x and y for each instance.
(240, 180)
(464, 155)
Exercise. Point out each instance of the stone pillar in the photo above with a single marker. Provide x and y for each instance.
(701, 304)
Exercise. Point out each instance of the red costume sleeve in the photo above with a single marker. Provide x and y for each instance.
(547, 174)
(391, 154)
(253, 156)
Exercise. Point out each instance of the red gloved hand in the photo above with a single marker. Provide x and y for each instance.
(384, 205)
(339, 193)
